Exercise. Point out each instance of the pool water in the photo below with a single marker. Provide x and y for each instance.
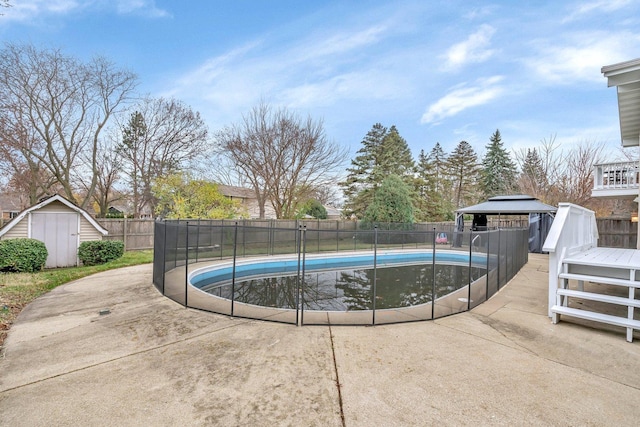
(350, 288)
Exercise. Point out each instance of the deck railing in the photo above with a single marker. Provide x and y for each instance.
(615, 176)
(574, 230)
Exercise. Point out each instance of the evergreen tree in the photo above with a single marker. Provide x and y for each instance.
(431, 183)
(358, 185)
(391, 202)
(464, 175)
(394, 157)
(383, 152)
(533, 179)
(498, 169)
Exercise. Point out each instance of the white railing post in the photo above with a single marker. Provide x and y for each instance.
(574, 230)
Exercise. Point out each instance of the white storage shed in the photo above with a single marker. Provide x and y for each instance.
(60, 224)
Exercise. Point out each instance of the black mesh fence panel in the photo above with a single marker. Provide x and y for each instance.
(333, 272)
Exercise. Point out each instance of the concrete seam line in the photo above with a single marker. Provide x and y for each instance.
(62, 374)
(335, 367)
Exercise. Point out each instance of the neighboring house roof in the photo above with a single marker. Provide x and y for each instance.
(333, 212)
(626, 77)
(509, 205)
(50, 200)
(236, 192)
(10, 203)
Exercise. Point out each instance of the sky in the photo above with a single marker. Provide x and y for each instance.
(440, 71)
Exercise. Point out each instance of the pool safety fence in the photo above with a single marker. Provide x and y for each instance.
(371, 294)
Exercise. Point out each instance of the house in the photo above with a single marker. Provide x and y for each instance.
(333, 213)
(60, 224)
(10, 207)
(247, 198)
(594, 283)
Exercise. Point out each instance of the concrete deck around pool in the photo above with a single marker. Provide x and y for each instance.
(153, 362)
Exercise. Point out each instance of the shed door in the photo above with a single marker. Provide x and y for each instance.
(59, 232)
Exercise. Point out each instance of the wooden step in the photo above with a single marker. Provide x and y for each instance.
(597, 317)
(627, 302)
(600, 279)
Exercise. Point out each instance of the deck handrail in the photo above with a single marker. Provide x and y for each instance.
(574, 230)
(616, 175)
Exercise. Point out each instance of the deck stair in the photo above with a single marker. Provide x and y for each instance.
(602, 266)
(575, 259)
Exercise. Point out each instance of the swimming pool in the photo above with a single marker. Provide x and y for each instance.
(213, 284)
(190, 256)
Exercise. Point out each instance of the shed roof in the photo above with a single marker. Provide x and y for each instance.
(50, 200)
(509, 205)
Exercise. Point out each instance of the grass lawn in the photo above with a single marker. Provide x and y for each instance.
(19, 289)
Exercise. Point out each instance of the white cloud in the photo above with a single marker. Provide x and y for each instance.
(324, 68)
(146, 8)
(28, 10)
(463, 97)
(581, 56)
(339, 43)
(598, 6)
(474, 49)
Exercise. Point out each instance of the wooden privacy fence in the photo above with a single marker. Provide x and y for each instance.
(617, 233)
(138, 233)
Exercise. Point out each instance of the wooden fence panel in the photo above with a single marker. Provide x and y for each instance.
(136, 234)
(617, 233)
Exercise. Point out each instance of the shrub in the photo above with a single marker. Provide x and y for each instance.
(22, 255)
(100, 251)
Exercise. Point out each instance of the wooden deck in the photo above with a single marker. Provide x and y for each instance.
(628, 259)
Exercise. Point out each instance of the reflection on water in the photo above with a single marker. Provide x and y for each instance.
(400, 286)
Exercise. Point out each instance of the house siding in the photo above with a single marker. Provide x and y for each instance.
(87, 231)
(20, 230)
(55, 207)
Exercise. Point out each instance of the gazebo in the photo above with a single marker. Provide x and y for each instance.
(540, 215)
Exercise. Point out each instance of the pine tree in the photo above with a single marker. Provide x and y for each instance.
(431, 182)
(498, 169)
(394, 157)
(358, 185)
(533, 179)
(464, 175)
(383, 152)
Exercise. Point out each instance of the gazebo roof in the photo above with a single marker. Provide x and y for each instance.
(509, 205)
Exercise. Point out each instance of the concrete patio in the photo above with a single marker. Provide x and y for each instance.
(153, 362)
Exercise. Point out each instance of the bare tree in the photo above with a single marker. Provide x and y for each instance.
(284, 158)
(561, 175)
(63, 105)
(108, 174)
(161, 136)
(22, 173)
(540, 169)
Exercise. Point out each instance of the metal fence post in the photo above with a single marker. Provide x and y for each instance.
(470, 275)
(298, 250)
(198, 240)
(186, 267)
(375, 271)
(433, 272)
(499, 256)
(304, 257)
(486, 293)
(233, 272)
